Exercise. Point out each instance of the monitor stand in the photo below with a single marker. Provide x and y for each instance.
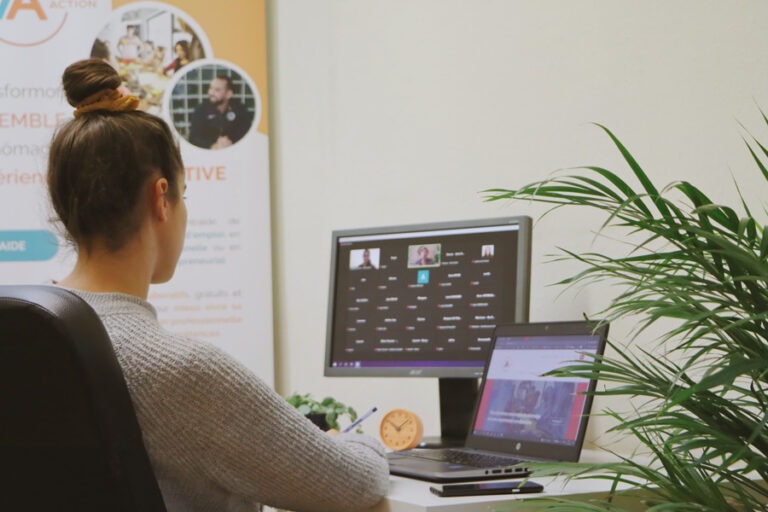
(457, 405)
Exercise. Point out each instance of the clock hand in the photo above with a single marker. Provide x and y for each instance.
(403, 424)
(393, 424)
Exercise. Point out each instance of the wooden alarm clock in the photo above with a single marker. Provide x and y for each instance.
(401, 429)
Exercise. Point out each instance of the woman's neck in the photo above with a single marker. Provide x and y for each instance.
(99, 270)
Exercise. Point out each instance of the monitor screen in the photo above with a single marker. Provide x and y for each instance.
(522, 405)
(423, 300)
(520, 401)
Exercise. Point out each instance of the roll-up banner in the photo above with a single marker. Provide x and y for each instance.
(199, 65)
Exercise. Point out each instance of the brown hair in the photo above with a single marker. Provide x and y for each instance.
(100, 161)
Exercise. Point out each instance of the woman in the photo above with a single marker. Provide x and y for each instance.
(182, 58)
(218, 437)
(422, 256)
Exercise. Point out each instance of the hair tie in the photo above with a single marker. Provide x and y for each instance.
(109, 99)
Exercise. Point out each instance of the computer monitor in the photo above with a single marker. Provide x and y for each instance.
(423, 300)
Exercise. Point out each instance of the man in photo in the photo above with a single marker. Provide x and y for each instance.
(129, 46)
(221, 120)
(367, 263)
(362, 259)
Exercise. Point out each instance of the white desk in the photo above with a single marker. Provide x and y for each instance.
(409, 495)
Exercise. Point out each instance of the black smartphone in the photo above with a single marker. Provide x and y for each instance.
(479, 489)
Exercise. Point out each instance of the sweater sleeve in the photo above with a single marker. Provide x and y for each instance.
(209, 418)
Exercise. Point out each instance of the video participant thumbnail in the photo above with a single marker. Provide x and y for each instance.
(364, 258)
(424, 255)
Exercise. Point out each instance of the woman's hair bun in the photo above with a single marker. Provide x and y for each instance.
(86, 77)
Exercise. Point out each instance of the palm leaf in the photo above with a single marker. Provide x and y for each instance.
(698, 397)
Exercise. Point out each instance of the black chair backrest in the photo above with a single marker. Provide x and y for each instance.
(69, 438)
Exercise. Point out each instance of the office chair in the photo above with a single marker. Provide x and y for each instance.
(69, 438)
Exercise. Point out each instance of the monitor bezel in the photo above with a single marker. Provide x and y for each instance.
(522, 294)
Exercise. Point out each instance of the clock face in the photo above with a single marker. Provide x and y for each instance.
(401, 429)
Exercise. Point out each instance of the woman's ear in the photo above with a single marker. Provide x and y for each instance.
(159, 198)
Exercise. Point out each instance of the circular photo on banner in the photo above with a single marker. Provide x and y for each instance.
(214, 104)
(149, 42)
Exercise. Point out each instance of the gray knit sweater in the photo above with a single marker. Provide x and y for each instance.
(219, 438)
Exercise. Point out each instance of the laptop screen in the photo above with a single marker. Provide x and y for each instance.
(532, 414)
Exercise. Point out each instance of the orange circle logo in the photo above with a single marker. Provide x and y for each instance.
(27, 23)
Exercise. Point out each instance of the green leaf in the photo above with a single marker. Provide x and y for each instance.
(329, 406)
(698, 398)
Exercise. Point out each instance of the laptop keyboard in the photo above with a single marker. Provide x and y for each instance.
(467, 458)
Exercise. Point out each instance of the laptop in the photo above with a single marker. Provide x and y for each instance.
(520, 415)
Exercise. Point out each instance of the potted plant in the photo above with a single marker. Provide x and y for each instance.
(324, 413)
(700, 397)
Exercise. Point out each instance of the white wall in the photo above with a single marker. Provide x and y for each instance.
(402, 111)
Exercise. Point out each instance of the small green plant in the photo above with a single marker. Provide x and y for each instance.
(330, 409)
